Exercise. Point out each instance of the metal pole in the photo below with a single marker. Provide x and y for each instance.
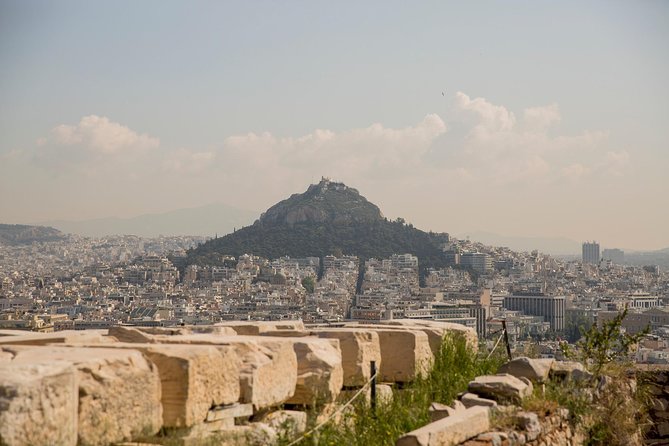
(506, 340)
(372, 365)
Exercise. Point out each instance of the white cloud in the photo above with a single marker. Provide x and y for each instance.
(492, 118)
(184, 161)
(374, 150)
(575, 171)
(616, 162)
(499, 148)
(99, 134)
(541, 118)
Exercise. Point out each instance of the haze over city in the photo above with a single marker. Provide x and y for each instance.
(518, 118)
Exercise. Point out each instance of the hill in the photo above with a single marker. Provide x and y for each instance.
(204, 220)
(25, 234)
(329, 217)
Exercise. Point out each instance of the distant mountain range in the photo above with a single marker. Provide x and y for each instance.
(24, 234)
(204, 220)
(328, 218)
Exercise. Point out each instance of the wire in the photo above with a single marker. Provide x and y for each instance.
(496, 344)
(324, 422)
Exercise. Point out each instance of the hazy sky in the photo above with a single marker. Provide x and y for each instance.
(554, 118)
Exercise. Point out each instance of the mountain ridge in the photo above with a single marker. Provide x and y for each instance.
(328, 217)
(207, 220)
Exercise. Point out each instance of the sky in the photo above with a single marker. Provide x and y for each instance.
(522, 118)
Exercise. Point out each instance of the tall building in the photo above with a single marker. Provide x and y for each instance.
(551, 308)
(591, 252)
(478, 261)
(615, 255)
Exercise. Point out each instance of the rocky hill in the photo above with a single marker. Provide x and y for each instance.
(24, 234)
(329, 217)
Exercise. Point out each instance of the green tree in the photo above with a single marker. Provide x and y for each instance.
(309, 284)
(601, 345)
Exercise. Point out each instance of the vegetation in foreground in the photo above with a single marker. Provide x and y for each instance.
(454, 367)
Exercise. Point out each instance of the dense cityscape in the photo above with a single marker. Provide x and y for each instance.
(83, 283)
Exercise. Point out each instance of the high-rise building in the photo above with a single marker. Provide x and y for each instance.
(478, 261)
(550, 307)
(591, 252)
(615, 255)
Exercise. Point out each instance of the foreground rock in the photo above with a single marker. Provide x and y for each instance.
(405, 353)
(38, 404)
(359, 347)
(11, 337)
(457, 330)
(501, 388)
(193, 379)
(268, 368)
(259, 327)
(566, 370)
(118, 390)
(451, 430)
(536, 370)
(320, 375)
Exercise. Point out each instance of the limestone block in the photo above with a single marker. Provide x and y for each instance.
(193, 378)
(288, 423)
(438, 411)
(471, 400)
(320, 375)
(130, 334)
(66, 336)
(529, 422)
(502, 387)
(230, 411)
(250, 328)
(458, 330)
(38, 404)
(569, 370)
(119, 390)
(252, 434)
(533, 369)
(268, 369)
(451, 430)
(359, 347)
(405, 355)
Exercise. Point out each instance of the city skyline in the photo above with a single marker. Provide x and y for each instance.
(522, 119)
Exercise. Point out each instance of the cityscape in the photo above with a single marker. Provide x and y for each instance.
(79, 283)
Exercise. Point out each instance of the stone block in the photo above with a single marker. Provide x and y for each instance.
(193, 378)
(359, 347)
(471, 400)
(60, 337)
(405, 354)
(38, 404)
(320, 375)
(255, 328)
(287, 423)
(457, 330)
(119, 390)
(536, 370)
(565, 370)
(229, 411)
(268, 369)
(451, 430)
(501, 388)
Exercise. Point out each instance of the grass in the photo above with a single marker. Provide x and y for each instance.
(454, 367)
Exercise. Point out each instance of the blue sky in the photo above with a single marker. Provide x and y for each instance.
(553, 119)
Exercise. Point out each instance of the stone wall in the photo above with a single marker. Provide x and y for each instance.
(656, 378)
(192, 383)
